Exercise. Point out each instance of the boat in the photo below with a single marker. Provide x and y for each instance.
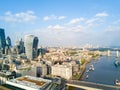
(87, 76)
(117, 82)
(87, 71)
(91, 67)
(117, 63)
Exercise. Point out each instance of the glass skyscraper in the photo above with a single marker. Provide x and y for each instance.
(8, 41)
(2, 40)
(31, 46)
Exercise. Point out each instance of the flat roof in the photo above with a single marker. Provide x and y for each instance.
(29, 82)
(39, 83)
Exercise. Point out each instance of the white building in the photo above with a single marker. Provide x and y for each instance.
(29, 83)
(64, 71)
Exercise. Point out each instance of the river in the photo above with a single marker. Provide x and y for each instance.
(105, 71)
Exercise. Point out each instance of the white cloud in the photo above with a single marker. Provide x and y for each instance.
(50, 27)
(103, 14)
(46, 18)
(56, 27)
(21, 17)
(96, 20)
(76, 20)
(90, 21)
(61, 17)
(53, 17)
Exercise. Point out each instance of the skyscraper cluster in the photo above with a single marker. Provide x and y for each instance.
(5, 44)
(29, 47)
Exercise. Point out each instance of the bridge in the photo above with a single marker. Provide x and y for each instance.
(109, 53)
(83, 85)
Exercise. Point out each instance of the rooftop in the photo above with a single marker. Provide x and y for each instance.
(30, 82)
(62, 66)
(5, 72)
(39, 83)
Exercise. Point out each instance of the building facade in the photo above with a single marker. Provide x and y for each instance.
(31, 46)
(64, 71)
(41, 70)
(36, 71)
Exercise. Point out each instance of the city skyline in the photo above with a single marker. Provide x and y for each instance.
(63, 22)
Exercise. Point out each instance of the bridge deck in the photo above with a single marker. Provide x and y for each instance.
(91, 86)
(83, 87)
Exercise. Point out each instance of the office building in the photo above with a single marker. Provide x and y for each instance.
(20, 46)
(8, 46)
(8, 41)
(2, 40)
(31, 46)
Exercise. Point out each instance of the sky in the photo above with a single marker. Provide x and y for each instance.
(62, 22)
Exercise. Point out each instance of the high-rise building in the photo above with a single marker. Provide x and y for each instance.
(8, 41)
(2, 40)
(31, 46)
(8, 46)
(35, 47)
(20, 46)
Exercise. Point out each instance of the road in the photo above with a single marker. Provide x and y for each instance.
(91, 85)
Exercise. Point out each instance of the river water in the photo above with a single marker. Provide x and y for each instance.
(105, 71)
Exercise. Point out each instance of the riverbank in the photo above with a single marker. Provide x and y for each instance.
(83, 68)
(84, 62)
(78, 76)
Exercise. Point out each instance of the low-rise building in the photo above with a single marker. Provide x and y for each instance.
(6, 75)
(64, 71)
(41, 70)
(36, 71)
(30, 83)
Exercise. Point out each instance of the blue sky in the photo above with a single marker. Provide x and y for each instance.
(63, 22)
